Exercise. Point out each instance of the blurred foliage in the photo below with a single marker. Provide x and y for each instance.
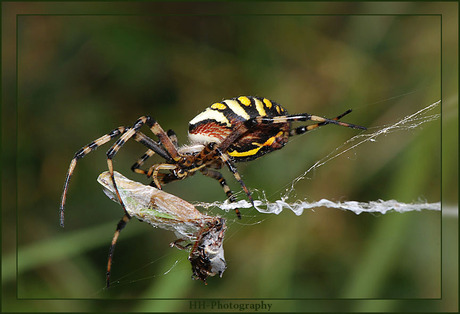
(80, 76)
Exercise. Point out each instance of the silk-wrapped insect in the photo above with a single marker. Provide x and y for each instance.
(202, 233)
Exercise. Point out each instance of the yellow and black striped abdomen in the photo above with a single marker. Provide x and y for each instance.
(220, 119)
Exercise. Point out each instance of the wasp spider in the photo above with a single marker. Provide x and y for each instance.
(234, 130)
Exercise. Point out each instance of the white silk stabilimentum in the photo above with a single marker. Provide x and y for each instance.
(277, 207)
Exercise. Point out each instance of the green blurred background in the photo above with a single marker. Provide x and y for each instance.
(80, 76)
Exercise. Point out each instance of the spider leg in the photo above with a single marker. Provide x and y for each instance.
(226, 159)
(238, 131)
(340, 116)
(305, 128)
(82, 153)
(164, 178)
(139, 137)
(156, 129)
(152, 145)
(305, 117)
(149, 153)
(136, 167)
(180, 246)
(220, 178)
(154, 172)
(173, 137)
(246, 126)
(121, 224)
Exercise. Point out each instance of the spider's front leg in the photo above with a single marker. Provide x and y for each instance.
(153, 146)
(168, 148)
(156, 148)
(82, 153)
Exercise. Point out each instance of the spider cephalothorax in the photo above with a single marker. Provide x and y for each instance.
(234, 130)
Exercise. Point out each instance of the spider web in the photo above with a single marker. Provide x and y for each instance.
(409, 122)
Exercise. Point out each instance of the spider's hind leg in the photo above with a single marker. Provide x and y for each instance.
(305, 128)
(307, 117)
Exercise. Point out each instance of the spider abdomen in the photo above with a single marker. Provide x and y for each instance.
(219, 120)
